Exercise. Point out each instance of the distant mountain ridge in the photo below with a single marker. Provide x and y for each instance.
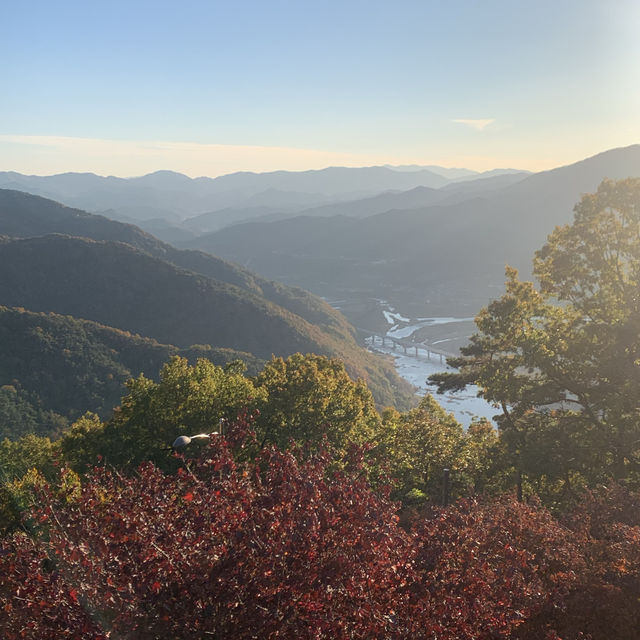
(415, 198)
(176, 208)
(173, 195)
(456, 174)
(450, 253)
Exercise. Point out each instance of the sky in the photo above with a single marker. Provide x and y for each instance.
(210, 87)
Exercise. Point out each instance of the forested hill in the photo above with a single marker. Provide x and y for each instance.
(454, 250)
(54, 368)
(117, 285)
(24, 215)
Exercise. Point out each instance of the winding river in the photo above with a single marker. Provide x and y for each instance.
(464, 405)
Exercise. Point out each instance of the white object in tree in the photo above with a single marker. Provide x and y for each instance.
(183, 441)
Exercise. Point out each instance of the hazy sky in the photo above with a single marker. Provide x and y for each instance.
(210, 87)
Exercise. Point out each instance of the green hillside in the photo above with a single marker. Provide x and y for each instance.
(119, 286)
(23, 215)
(54, 368)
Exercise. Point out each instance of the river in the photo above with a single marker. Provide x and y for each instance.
(440, 332)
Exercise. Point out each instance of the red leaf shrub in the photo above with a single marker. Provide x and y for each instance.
(276, 548)
(501, 569)
(36, 602)
(604, 601)
(490, 566)
(287, 547)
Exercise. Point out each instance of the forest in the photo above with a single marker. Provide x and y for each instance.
(311, 511)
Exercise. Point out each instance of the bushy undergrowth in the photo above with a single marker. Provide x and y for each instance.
(285, 545)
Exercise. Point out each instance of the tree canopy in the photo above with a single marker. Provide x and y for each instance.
(287, 546)
(562, 360)
(308, 398)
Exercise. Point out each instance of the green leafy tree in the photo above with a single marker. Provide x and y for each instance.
(23, 463)
(307, 398)
(563, 361)
(18, 456)
(486, 465)
(17, 497)
(187, 400)
(304, 398)
(415, 448)
(83, 442)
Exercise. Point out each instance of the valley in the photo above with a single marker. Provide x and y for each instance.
(434, 340)
(296, 347)
(320, 320)
(387, 248)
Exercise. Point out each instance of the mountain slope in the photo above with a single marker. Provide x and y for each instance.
(119, 286)
(414, 198)
(448, 255)
(54, 368)
(23, 215)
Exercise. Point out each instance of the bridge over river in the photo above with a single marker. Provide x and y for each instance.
(408, 347)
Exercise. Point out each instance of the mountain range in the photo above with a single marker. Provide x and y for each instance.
(434, 251)
(174, 206)
(429, 243)
(62, 260)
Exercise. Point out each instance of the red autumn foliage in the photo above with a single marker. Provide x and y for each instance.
(36, 601)
(605, 599)
(279, 548)
(500, 569)
(491, 566)
(286, 547)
